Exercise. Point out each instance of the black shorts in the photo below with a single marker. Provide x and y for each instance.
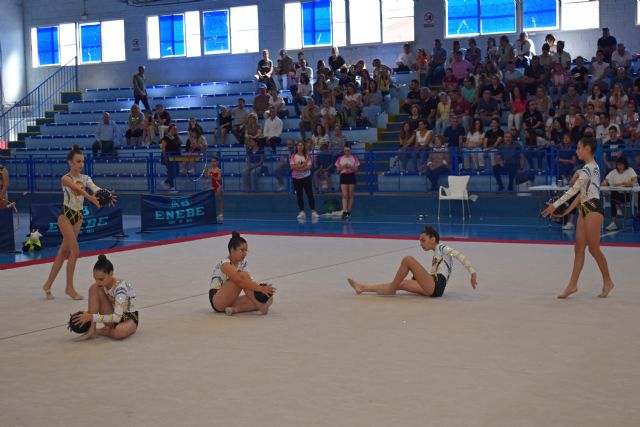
(212, 292)
(591, 205)
(132, 315)
(73, 216)
(441, 283)
(348, 179)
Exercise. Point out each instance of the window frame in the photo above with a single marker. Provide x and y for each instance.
(303, 32)
(80, 45)
(184, 36)
(556, 27)
(231, 28)
(204, 36)
(54, 52)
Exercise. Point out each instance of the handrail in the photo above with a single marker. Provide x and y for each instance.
(16, 119)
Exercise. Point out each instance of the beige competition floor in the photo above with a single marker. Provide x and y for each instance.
(506, 354)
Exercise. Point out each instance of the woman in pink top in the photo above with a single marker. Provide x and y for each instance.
(517, 106)
(300, 163)
(347, 165)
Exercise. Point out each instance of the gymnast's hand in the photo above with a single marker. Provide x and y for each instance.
(548, 211)
(82, 318)
(474, 280)
(93, 199)
(268, 289)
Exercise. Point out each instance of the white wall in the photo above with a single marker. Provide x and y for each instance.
(619, 15)
(13, 52)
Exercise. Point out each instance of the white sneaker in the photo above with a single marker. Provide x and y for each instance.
(164, 185)
(611, 227)
(173, 190)
(619, 213)
(281, 188)
(220, 218)
(301, 216)
(568, 226)
(315, 216)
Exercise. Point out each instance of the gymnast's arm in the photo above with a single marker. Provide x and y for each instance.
(575, 189)
(118, 310)
(465, 262)
(75, 186)
(244, 281)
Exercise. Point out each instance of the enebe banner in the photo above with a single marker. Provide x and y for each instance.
(96, 224)
(167, 212)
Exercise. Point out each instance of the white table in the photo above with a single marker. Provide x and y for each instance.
(631, 190)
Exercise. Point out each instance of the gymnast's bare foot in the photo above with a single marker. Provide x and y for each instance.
(47, 293)
(355, 285)
(570, 290)
(73, 294)
(606, 288)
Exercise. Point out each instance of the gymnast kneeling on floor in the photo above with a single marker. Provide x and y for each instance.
(423, 283)
(111, 302)
(231, 276)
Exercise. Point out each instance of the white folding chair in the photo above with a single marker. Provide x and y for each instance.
(457, 190)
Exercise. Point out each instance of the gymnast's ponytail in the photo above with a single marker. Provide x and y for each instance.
(431, 232)
(75, 150)
(235, 241)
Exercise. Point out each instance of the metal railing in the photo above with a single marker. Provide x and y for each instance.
(34, 105)
(380, 171)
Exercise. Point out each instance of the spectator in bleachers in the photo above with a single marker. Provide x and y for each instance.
(301, 164)
(469, 91)
(261, 101)
(487, 107)
(557, 82)
(422, 66)
(580, 75)
(598, 99)
(379, 70)
(282, 169)
(461, 108)
(579, 128)
(455, 48)
(567, 160)
(196, 143)
(460, 67)
(602, 131)
(303, 94)
(550, 40)
(252, 131)
(415, 117)
(429, 106)
(557, 132)
(240, 115)
(454, 137)
(321, 89)
(253, 166)
(534, 146)
(301, 69)
(621, 58)
(506, 52)
(618, 97)
(135, 125)
(571, 98)
(509, 160)
(422, 143)
(543, 102)
(140, 89)
(629, 118)
(635, 91)
(473, 147)
(613, 148)
(622, 79)
(591, 118)
(534, 76)
(286, 71)
(170, 146)
(406, 61)
(562, 57)
(361, 75)
(272, 135)
(352, 104)
(319, 136)
(492, 52)
(161, 120)
(449, 82)
(533, 118)
(347, 166)
(225, 126)
(621, 176)
(372, 103)
(194, 126)
(337, 140)
(148, 130)
(497, 90)
(323, 169)
(607, 44)
(473, 54)
(321, 68)
(614, 116)
(328, 113)
(599, 71)
(512, 76)
(413, 96)
(437, 64)
(265, 70)
(525, 50)
(493, 138)
(336, 61)
(546, 59)
(442, 113)
(438, 163)
(277, 103)
(309, 117)
(107, 133)
(479, 77)
(517, 106)
(407, 142)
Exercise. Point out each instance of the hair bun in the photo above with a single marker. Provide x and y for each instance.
(235, 234)
(76, 147)
(102, 257)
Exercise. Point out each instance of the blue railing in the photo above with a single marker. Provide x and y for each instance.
(380, 171)
(34, 105)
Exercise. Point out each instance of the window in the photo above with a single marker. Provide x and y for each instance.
(580, 14)
(539, 14)
(173, 35)
(468, 17)
(317, 23)
(397, 21)
(497, 16)
(462, 18)
(244, 29)
(364, 22)
(216, 31)
(112, 33)
(90, 43)
(46, 46)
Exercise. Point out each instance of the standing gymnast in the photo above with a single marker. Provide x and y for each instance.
(74, 186)
(423, 283)
(589, 220)
(231, 276)
(215, 174)
(111, 302)
(347, 166)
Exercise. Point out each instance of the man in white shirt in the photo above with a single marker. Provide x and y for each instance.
(525, 50)
(304, 68)
(272, 131)
(406, 61)
(599, 71)
(602, 131)
(107, 133)
(562, 57)
(621, 58)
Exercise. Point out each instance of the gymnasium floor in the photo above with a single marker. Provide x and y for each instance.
(506, 354)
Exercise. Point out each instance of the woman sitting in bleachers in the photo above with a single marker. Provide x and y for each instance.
(252, 130)
(135, 125)
(372, 103)
(472, 149)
